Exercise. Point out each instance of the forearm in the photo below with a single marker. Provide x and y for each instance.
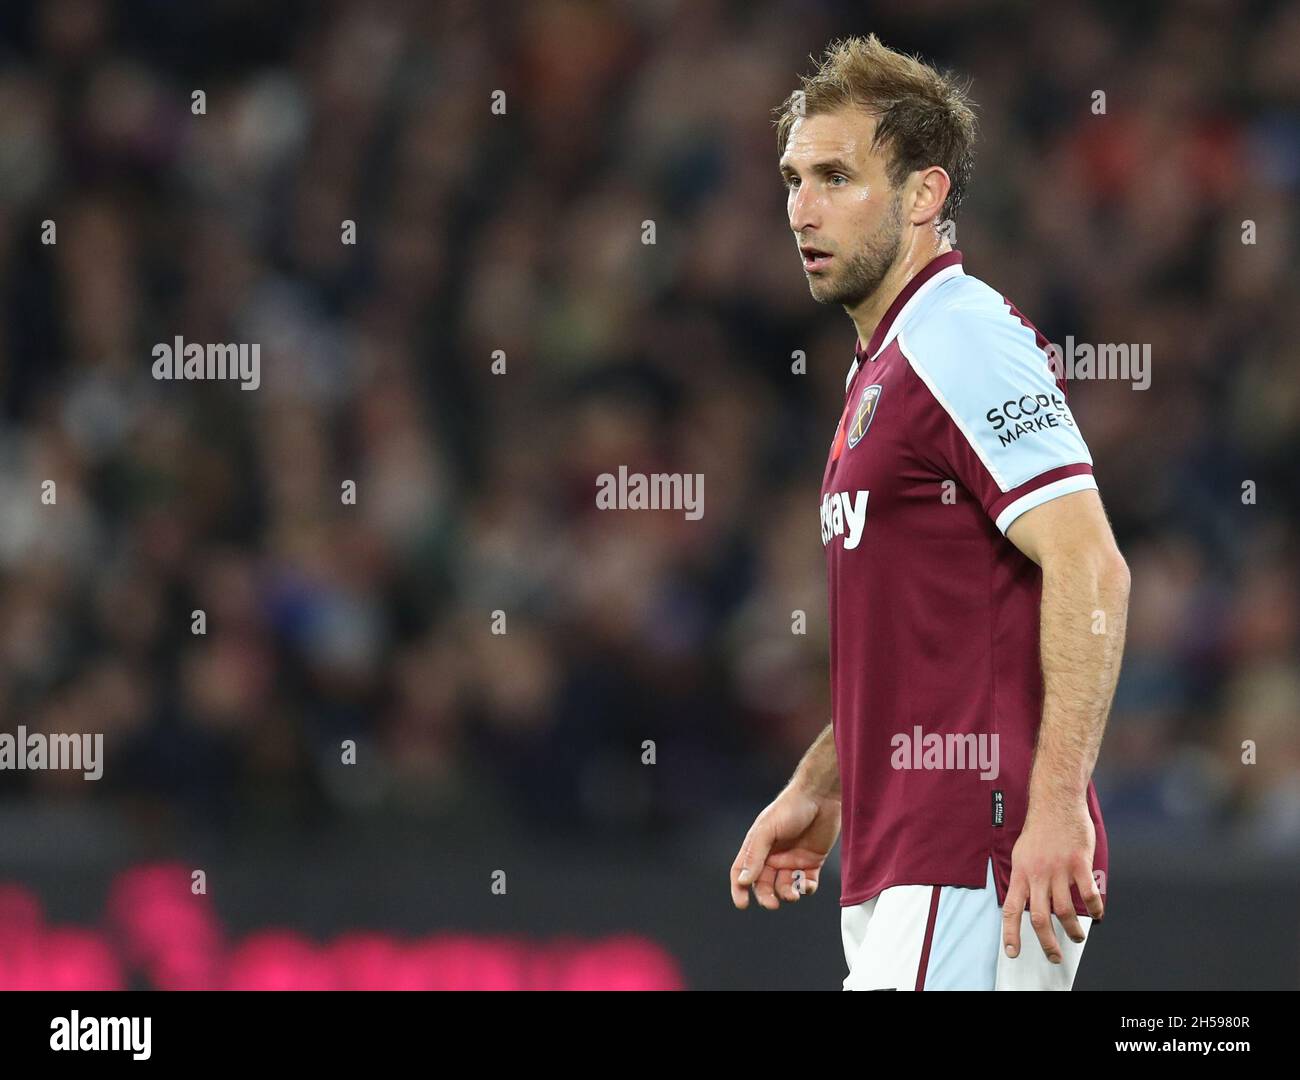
(819, 772)
(1083, 619)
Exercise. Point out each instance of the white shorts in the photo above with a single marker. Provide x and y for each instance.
(946, 937)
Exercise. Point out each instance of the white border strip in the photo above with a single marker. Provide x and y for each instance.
(953, 415)
(896, 327)
(1065, 486)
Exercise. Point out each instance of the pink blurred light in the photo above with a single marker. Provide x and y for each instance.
(158, 929)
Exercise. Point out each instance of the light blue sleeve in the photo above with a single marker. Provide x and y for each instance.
(993, 413)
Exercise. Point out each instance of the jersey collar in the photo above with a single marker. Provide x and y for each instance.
(940, 268)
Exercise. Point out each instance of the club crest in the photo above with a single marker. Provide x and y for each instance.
(863, 414)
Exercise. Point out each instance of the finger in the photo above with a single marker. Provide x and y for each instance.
(806, 881)
(749, 860)
(785, 885)
(754, 852)
(739, 892)
(1090, 894)
(1017, 894)
(1063, 906)
(1040, 918)
(764, 892)
(793, 859)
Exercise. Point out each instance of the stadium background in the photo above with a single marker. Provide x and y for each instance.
(523, 233)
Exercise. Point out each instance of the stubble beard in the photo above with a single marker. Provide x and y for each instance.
(862, 274)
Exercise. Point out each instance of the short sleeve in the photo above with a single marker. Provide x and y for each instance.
(986, 408)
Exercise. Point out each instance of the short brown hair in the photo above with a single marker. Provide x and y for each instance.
(923, 116)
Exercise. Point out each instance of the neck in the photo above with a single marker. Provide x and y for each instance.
(925, 245)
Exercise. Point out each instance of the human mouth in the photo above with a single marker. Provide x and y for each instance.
(814, 259)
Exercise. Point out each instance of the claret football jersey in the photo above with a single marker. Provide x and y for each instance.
(954, 425)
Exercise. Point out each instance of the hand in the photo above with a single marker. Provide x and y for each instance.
(784, 849)
(1054, 850)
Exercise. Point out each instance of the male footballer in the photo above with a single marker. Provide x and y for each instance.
(977, 597)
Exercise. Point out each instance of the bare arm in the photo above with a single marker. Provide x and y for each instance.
(1083, 617)
(783, 852)
(818, 773)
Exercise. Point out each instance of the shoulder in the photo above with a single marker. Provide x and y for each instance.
(982, 370)
(968, 336)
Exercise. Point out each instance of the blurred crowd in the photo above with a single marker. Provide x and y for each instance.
(501, 333)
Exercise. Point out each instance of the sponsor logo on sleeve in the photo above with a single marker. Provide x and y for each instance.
(1028, 415)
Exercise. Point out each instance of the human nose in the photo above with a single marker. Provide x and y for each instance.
(804, 209)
